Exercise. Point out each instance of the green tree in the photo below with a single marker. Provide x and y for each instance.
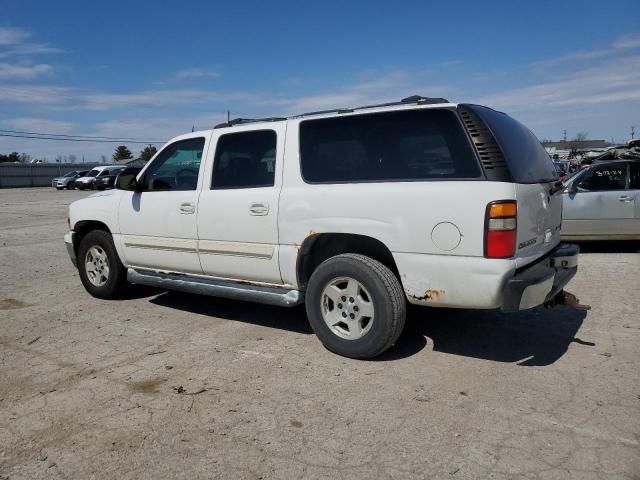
(122, 153)
(12, 157)
(148, 152)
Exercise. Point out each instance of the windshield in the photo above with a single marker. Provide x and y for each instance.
(70, 174)
(93, 173)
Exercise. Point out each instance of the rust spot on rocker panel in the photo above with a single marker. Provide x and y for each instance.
(430, 294)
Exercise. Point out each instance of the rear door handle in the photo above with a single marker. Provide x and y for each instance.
(187, 207)
(259, 209)
(625, 198)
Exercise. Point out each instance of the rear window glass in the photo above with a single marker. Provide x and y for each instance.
(526, 158)
(393, 146)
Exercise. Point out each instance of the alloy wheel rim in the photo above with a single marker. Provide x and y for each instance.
(96, 265)
(347, 308)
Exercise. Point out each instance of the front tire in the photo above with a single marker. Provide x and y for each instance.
(101, 270)
(355, 305)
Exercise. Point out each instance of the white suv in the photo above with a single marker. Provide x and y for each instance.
(353, 211)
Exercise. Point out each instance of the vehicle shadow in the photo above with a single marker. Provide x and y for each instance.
(535, 337)
(610, 246)
(291, 319)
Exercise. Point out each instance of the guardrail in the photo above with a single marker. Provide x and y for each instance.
(35, 175)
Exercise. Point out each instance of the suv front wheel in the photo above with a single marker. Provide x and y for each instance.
(101, 270)
(356, 305)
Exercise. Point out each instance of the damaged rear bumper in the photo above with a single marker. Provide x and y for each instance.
(540, 283)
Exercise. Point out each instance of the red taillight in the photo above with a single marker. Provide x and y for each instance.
(500, 229)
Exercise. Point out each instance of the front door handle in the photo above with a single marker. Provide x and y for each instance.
(625, 198)
(187, 207)
(259, 209)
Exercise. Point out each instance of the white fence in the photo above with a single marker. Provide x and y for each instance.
(35, 175)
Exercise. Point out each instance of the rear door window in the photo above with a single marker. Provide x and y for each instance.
(413, 145)
(245, 160)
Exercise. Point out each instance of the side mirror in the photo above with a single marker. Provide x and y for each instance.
(126, 180)
(573, 188)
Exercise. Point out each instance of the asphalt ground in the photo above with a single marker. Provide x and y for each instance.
(172, 385)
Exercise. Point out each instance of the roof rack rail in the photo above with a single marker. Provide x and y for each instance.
(242, 121)
(417, 99)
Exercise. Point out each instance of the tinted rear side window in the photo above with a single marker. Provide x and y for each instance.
(526, 158)
(394, 146)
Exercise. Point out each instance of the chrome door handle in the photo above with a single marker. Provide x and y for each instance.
(187, 207)
(259, 209)
(625, 198)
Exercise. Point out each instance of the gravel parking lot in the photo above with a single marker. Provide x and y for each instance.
(171, 385)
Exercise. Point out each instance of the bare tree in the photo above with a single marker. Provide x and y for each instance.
(577, 142)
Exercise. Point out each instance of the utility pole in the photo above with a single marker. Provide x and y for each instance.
(228, 116)
(564, 135)
(633, 132)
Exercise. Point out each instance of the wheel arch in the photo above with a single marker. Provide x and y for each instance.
(319, 247)
(82, 227)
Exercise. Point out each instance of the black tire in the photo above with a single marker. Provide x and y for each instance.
(80, 188)
(386, 294)
(70, 186)
(58, 188)
(117, 275)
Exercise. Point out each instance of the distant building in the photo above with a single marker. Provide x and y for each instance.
(132, 162)
(577, 144)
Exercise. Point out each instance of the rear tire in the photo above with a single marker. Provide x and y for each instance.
(355, 305)
(100, 268)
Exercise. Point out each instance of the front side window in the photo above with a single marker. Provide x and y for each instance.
(605, 177)
(93, 173)
(394, 146)
(176, 167)
(245, 160)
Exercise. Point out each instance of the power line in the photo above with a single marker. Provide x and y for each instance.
(80, 139)
(76, 136)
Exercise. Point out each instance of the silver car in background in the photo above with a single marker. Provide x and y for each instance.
(68, 180)
(602, 202)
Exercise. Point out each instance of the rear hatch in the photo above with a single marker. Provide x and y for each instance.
(509, 152)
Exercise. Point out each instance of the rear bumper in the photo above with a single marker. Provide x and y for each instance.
(68, 241)
(539, 283)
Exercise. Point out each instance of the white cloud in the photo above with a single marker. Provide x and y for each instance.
(615, 48)
(631, 40)
(12, 36)
(14, 44)
(41, 125)
(612, 81)
(197, 73)
(26, 72)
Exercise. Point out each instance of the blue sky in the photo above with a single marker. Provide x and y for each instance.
(151, 71)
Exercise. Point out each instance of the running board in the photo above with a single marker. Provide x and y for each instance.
(216, 288)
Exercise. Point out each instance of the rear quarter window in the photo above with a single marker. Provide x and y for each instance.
(410, 145)
(527, 160)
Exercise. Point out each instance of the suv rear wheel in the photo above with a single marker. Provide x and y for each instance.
(356, 306)
(101, 270)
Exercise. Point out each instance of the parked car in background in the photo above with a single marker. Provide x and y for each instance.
(87, 180)
(106, 178)
(602, 202)
(68, 180)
